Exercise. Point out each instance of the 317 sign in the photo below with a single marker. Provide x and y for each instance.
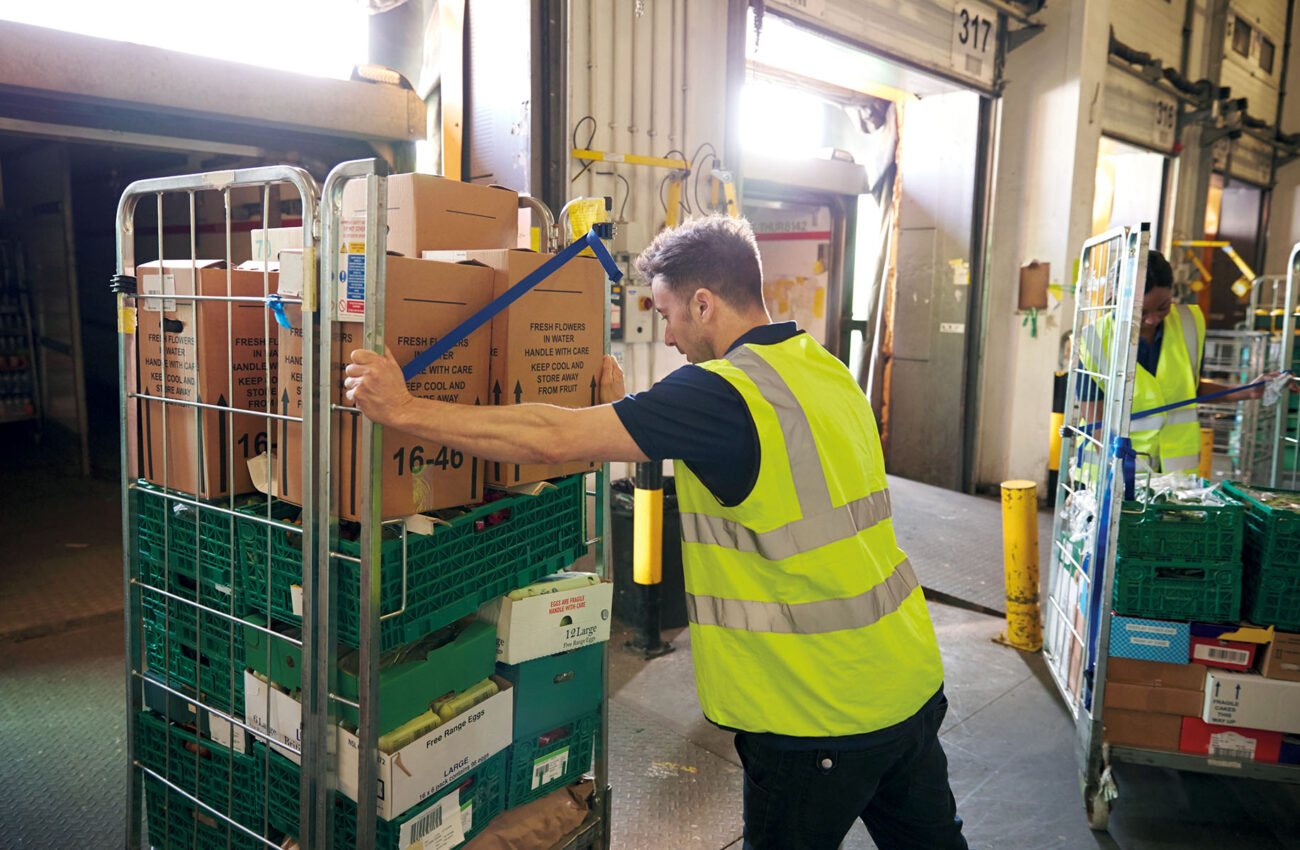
(974, 30)
(974, 40)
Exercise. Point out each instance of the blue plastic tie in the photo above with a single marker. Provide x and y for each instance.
(430, 355)
(277, 309)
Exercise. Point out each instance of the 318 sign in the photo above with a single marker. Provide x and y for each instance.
(974, 40)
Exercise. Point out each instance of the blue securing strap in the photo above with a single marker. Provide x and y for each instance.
(430, 355)
(274, 302)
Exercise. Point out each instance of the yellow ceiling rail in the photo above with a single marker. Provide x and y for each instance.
(629, 158)
(1242, 284)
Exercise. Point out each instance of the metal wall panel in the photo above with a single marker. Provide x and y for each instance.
(498, 93)
(1252, 160)
(1246, 75)
(1154, 26)
(1138, 112)
(922, 32)
(938, 154)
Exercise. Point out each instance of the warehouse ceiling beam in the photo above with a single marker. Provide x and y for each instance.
(79, 68)
(69, 132)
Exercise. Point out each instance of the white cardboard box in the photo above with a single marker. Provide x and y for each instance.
(267, 243)
(550, 622)
(413, 773)
(1250, 700)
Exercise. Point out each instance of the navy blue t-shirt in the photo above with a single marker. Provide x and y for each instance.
(698, 417)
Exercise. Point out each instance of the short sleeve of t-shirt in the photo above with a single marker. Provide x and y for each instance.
(697, 417)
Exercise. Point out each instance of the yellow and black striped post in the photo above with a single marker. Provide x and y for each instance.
(1020, 562)
(647, 559)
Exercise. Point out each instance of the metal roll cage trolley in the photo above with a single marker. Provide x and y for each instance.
(1097, 463)
(208, 770)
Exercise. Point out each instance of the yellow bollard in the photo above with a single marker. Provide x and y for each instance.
(648, 535)
(1206, 469)
(1020, 562)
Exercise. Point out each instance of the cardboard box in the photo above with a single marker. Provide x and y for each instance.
(431, 763)
(1247, 699)
(1230, 742)
(1230, 646)
(1141, 729)
(1227, 654)
(267, 243)
(427, 213)
(413, 773)
(1150, 640)
(423, 301)
(1156, 674)
(546, 347)
(551, 622)
(204, 347)
(1282, 657)
(1161, 700)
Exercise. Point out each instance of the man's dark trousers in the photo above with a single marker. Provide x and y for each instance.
(807, 799)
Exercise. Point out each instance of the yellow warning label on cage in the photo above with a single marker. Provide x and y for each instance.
(125, 316)
(584, 213)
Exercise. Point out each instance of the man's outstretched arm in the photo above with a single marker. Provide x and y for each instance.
(520, 433)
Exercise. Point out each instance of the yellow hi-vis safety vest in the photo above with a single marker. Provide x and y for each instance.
(1173, 438)
(806, 618)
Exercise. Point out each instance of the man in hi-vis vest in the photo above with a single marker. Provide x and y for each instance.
(809, 633)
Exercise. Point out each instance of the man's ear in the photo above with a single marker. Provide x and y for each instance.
(704, 303)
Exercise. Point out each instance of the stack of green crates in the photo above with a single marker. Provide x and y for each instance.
(191, 586)
(480, 555)
(1272, 556)
(1179, 562)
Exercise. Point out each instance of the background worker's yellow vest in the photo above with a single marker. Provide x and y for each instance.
(1174, 437)
(806, 617)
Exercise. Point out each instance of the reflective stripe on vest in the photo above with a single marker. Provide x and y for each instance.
(806, 618)
(793, 538)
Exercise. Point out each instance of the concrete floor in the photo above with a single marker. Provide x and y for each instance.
(676, 778)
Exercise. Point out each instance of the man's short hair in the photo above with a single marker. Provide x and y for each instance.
(717, 253)
(1159, 274)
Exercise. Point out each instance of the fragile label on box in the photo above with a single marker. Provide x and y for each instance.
(442, 827)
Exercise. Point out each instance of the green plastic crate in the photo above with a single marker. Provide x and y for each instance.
(222, 778)
(406, 688)
(552, 689)
(541, 763)
(483, 788)
(175, 823)
(482, 554)
(208, 571)
(206, 664)
(1272, 534)
(1272, 597)
(1209, 592)
(1162, 531)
